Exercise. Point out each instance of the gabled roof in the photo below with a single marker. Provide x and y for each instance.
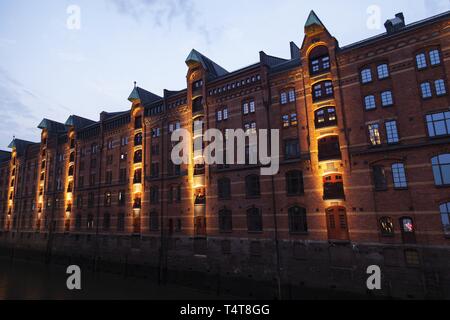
(210, 66)
(313, 19)
(52, 126)
(78, 122)
(145, 96)
(20, 145)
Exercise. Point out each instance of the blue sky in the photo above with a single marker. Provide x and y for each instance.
(49, 70)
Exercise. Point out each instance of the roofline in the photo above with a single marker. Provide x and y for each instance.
(410, 27)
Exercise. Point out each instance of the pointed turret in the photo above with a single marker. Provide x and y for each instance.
(213, 69)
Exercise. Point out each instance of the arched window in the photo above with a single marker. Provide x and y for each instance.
(325, 117)
(329, 148)
(254, 220)
(252, 186)
(225, 220)
(441, 169)
(323, 90)
(408, 230)
(366, 75)
(319, 60)
(138, 156)
(386, 226)
(445, 217)
(224, 188)
(294, 183)
(297, 220)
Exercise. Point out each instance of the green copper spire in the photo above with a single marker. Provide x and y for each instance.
(313, 19)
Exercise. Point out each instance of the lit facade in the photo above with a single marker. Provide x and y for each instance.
(365, 148)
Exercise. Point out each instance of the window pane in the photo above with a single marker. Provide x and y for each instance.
(370, 102)
(421, 61)
(291, 95)
(366, 76)
(445, 217)
(399, 175)
(434, 57)
(283, 98)
(383, 71)
(391, 132)
(374, 133)
(426, 90)
(440, 87)
(387, 99)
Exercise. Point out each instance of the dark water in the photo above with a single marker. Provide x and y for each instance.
(35, 281)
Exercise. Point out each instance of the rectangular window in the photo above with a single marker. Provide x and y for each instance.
(440, 87)
(421, 61)
(283, 98)
(438, 124)
(219, 116)
(392, 132)
(379, 177)
(426, 90)
(292, 95)
(370, 102)
(387, 99)
(245, 108)
(225, 114)
(374, 134)
(292, 149)
(435, 58)
(399, 176)
(252, 106)
(285, 120)
(294, 121)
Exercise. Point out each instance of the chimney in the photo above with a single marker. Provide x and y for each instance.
(395, 24)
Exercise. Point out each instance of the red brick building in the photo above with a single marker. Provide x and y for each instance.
(363, 180)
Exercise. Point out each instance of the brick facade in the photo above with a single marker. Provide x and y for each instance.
(113, 179)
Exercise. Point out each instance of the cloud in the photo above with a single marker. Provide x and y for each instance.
(20, 110)
(163, 13)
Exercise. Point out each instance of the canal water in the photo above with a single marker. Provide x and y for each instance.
(24, 280)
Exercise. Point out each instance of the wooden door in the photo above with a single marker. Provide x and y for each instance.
(337, 224)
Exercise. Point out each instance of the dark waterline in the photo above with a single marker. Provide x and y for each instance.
(20, 280)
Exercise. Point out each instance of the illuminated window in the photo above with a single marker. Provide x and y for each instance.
(285, 120)
(323, 90)
(408, 229)
(107, 199)
(294, 121)
(325, 117)
(386, 226)
(374, 134)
